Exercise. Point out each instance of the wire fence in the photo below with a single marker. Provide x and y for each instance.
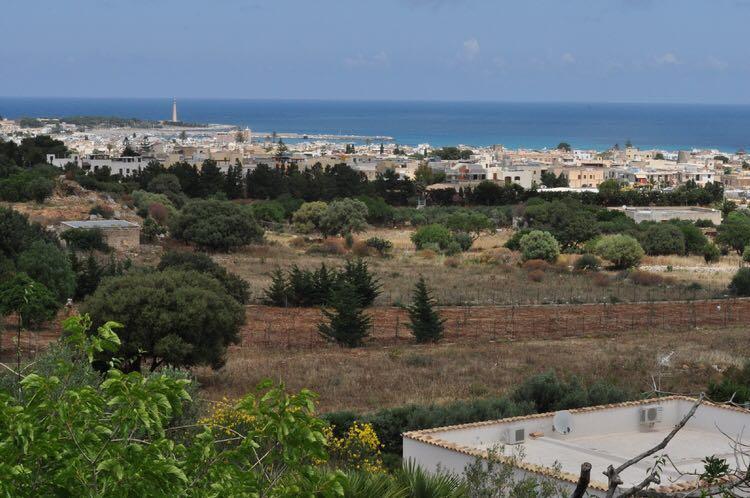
(297, 327)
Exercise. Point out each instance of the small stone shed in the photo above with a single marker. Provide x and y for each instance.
(120, 235)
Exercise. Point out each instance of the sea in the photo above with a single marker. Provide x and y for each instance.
(517, 125)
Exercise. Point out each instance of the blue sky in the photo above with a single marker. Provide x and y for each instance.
(499, 50)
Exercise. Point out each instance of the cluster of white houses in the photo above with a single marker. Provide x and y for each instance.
(524, 172)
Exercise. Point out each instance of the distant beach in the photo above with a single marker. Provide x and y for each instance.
(526, 125)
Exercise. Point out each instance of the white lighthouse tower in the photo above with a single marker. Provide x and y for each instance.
(174, 110)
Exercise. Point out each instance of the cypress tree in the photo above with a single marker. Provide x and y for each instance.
(278, 293)
(364, 284)
(347, 324)
(426, 325)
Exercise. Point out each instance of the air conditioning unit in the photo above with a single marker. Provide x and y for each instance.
(650, 415)
(515, 435)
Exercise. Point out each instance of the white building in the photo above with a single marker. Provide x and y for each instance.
(601, 435)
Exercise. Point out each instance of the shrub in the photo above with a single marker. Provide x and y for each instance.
(623, 251)
(105, 212)
(452, 248)
(432, 234)
(704, 223)
(268, 211)
(159, 213)
(740, 284)
(587, 262)
(746, 254)
(663, 238)
(645, 278)
(334, 246)
(464, 240)
(539, 245)
(496, 256)
(711, 253)
(536, 265)
(151, 231)
(536, 275)
(383, 246)
(514, 242)
(216, 225)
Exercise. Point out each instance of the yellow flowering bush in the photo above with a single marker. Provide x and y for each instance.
(225, 417)
(358, 449)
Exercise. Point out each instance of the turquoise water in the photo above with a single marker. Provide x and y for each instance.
(532, 125)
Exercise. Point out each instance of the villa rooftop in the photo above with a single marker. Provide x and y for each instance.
(603, 435)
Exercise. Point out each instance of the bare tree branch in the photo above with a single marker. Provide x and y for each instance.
(613, 474)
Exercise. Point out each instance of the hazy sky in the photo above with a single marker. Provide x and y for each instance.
(504, 50)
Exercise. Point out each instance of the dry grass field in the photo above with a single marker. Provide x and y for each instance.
(486, 275)
(382, 376)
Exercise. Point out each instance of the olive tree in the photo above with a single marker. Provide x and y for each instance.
(344, 217)
(539, 245)
(623, 251)
(173, 317)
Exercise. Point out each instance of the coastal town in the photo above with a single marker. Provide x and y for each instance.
(125, 150)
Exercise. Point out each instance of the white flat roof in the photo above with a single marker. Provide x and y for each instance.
(100, 224)
(602, 436)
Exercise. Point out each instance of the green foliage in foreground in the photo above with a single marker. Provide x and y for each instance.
(60, 437)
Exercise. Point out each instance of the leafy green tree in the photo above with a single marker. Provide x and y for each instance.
(31, 301)
(695, 240)
(539, 245)
(307, 218)
(172, 317)
(235, 286)
(17, 234)
(47, 264)
(216, 225)
(623, 251)
(740, 284)
(663, 238)
(470, 222)
(734, 231)
(268, 211)
(452, 153)
(169, 185)
(564, 146)
(425, 323)
(346, 322)
(746, 254)
(343, 217)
